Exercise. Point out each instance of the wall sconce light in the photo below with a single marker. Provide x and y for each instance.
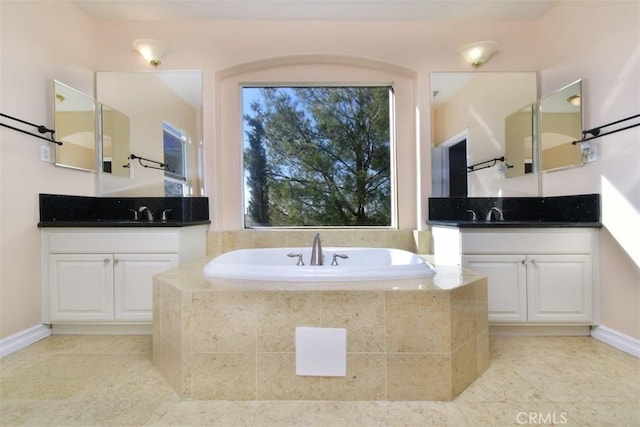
(574, 100)
(478, 53)
(153, 51)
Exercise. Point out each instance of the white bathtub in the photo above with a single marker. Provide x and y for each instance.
(361, 264)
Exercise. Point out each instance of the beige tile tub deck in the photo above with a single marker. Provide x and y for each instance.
(422, 339)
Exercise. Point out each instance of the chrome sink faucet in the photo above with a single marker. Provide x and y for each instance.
(316, 251)
(495, 209)
(142, 209)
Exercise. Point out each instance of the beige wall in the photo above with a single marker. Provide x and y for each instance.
(607, 58)
(46, 40)
(41, 41)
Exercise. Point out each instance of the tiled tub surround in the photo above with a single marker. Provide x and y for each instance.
(58, 210)
(421, 339)
(564, 211)
(219, 242)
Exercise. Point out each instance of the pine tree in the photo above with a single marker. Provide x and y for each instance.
(256, 168)
(328, 155)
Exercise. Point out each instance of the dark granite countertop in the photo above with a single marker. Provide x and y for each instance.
(581, 210)
(115, 223)
(512, 224)
(57, 210)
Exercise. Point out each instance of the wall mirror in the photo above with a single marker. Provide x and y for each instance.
(560, 125)
(164, 111)
(74, 123)
(113, 131)
(471, 108)
(519, 137)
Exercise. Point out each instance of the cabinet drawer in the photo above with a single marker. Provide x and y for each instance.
(527, 241)
(121, 241)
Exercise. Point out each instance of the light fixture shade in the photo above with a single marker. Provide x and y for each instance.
(574, 100)
(154, 51)
(478, 53)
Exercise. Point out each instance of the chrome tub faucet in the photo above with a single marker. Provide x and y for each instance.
(316, 251)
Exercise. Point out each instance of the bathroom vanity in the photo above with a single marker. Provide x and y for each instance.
(537, 276)
(97, 274)
(542, 273)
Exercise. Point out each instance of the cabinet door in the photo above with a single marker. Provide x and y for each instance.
(506, 284)
(560, 288)
(133, 283)
(81, 287)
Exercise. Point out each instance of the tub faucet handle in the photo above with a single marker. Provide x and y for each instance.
(336, 256)
(293, 255)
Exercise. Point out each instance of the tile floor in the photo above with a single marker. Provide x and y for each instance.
(109, 380)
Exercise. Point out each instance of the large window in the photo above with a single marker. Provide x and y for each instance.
(317, 156)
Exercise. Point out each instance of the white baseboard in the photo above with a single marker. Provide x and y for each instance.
(23, 339)
(617, 339)
(100, 329)
(533, 330)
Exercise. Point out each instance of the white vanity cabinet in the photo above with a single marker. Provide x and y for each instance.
(100, 287)
(535, 275)
(104, 276)
(506, 284)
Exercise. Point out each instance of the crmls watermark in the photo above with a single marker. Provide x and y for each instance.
(541, 418)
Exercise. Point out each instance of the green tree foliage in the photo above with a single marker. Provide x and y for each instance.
(255, 163)
(327, 155)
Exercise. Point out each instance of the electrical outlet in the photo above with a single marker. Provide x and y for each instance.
(592, 155)
(45, 153)
(589, 152)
